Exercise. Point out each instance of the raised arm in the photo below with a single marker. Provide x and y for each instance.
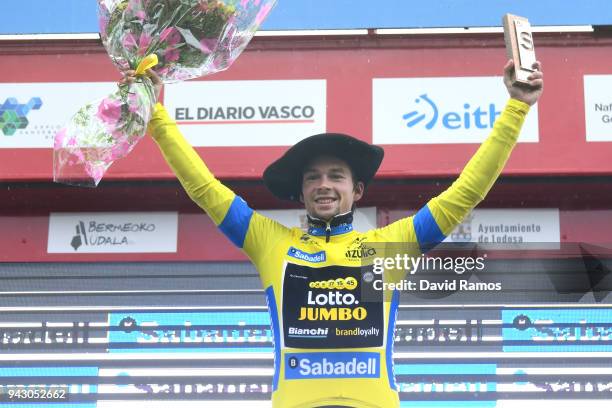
(443, 213)
(432, 223)
(195, 177)
(247, 229)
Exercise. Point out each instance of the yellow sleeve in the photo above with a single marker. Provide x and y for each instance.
(432, 223)
(247, 229)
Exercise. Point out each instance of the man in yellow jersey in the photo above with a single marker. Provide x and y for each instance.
(332, 347)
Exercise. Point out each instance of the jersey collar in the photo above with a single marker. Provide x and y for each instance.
(340, 224)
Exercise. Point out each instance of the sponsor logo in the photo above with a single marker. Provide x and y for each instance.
(305, 256)
(562, 329)
(224, 113)
(598, 108)
(92, 235)
(267, 108)
(331, 365)
(333, 298)
(521, 322)
(44, 334)
(358, 249)
(357, 331)
(330, 299)
(349, 283)
(470, 117)
(307, 240)
(359, 253)
(332, 313)
(112, 232)
(225, 329)
(314, 332)
(13, 115)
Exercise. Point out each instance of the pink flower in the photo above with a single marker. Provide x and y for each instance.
(59, 138)
(140, 14)
(174, 38)
(143, 43)
(129, 41)
(166, 33)
(263, 13)
(171, 55)
(109, 111)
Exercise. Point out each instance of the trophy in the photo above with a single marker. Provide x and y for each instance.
(519, 46)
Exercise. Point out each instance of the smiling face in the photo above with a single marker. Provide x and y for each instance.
(328, 188)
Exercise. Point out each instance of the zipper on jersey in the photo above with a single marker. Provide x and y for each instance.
(327, 232)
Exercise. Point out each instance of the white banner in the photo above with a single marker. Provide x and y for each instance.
(248, 113)
(364, 219)
(598, 107)
(441, 110)
(509, 226)
(33, 112)
(112, 232)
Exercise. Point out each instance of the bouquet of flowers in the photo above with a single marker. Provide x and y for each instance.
(179, 40)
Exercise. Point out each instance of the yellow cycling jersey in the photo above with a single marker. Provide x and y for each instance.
(332, 346)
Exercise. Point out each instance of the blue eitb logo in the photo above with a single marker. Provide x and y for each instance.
(471, 117)
(302, 366)
(317, 257)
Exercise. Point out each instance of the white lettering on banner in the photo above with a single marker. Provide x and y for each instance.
(441, 110)
(34, 112)
(598, 108)
(112, 232)
(248, 113)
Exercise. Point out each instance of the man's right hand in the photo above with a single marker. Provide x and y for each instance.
(528, 93)
(130, 77)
